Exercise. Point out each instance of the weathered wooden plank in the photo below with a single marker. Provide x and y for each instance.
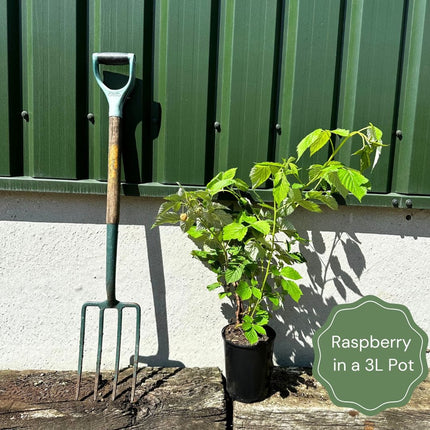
(299, 402)
(165, 398)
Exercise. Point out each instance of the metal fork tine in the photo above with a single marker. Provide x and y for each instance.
(136, 352)
(81, 350)
(118, 352)
(99, 351)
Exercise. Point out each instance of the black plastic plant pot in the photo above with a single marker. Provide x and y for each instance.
(248, 368)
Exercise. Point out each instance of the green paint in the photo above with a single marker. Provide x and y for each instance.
(111, 254)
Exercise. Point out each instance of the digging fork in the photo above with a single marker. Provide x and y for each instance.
(116, 99)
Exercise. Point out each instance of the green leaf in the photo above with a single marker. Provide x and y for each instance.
(281, 186)
(327, 199)
(234, 230)
(241, 185)
(261, 226)
(259, 174)
(314, 172)
(341, 132)
(243, 290)
(292, 289)
(224, 294)
(353, 181)
(219, 185)
(261, 317)
(233, 274)
(256, 292)
(310, 206)
(307, 141)
(251, 335)
(320, 142)
(229, 174)
(213, 286)
(244, 217)
(194, 232)
(289, 272)
(166, 218)
(259, 329)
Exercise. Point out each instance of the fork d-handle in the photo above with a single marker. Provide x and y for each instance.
(112, 208)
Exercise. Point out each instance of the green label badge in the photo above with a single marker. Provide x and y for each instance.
(370, 355)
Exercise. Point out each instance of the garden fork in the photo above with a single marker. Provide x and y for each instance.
(116, 99)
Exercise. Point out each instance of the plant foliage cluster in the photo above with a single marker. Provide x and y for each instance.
(250, 243)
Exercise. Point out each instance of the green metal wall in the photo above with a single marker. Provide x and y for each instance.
(268, 71)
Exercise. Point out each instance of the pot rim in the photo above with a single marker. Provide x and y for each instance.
(271, 333)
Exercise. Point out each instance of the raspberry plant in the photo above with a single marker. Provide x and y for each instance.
(250, 243)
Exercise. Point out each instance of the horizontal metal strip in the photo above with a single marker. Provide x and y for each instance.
(155, 189)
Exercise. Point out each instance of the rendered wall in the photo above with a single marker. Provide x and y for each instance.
(52, 259)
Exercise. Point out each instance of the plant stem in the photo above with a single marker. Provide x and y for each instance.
(269, 260)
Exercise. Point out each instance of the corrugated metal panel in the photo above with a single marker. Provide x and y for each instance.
(246, 78)
(51, 88)
(118, 26)
(412, 163)
(373, 37)
(247, 64)
(10, 91)
(309, 70)
(182, 86)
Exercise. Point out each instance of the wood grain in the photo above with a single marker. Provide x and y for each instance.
(114, 170)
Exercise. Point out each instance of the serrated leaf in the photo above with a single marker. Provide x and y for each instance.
(334, 182)
(233, 274)
(234, 230)
(320, 142)
(261, 226)
(353, 181)
(218, 186)
(213, 286)
(243, 290)
(289, 272)
(341, 132)
(281, 186)
(166, 218)
(327, 199)
(310, 206)
(194, 232)
(244, 217)
(307, 141)
(292, 289)
(251, 335)
(259, 329)
(256, 292)
(229, 174)
(241, 185)
(259, 174)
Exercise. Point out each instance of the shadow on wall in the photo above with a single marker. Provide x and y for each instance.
(297, 322)
(156, 271)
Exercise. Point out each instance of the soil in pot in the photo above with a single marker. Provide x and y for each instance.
(248, 367)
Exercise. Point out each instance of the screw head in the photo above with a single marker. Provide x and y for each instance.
(217, 126)
(408, 203)
(90, 117)
(25, 116)
(399, 134)
(395, 203)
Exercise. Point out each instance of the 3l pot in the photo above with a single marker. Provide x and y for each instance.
(248, 368)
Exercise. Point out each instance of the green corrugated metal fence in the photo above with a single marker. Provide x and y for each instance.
(268, 71)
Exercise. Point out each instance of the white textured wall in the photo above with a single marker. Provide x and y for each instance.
(52, 260)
